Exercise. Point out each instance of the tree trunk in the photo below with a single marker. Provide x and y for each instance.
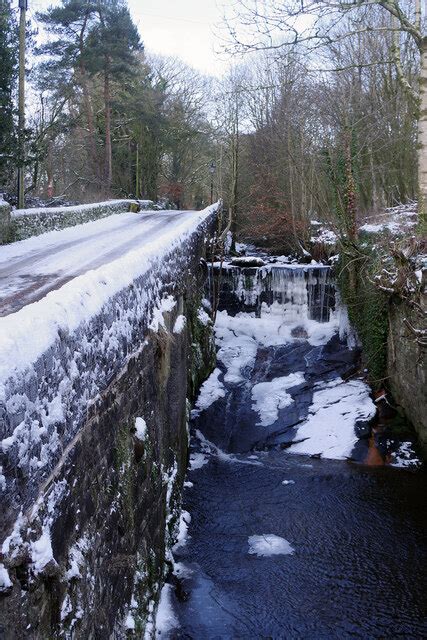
(49, 172)
(86, 99)
(108, 167)
(422, 136)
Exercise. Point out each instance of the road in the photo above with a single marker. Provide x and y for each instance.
(31, 268)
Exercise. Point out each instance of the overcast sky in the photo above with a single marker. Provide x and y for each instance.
(183, 28)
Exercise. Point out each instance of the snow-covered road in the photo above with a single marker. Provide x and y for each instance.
(31, 268)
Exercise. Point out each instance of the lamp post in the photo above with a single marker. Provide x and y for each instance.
(212, 169)
(23, 6)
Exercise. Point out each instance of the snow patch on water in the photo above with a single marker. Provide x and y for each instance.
(197, 461)
(269, 544)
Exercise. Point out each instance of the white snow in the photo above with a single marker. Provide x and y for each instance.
(59, 325)
(210, 391)
(130, 622)
(269, 544)
(270, 397)
(66, 607)
(76, 559)
(395, 220)
(236, 352)
(335, 409)
(325, 236)
(244, 332)
(5, 581)
(80, 208)
(405, 457)
(166, 305)
(243, 261)
(182, 537)
(203, 317)
(166, 619)
(41, 551)
(83, 297)
(179, 325)
(140, 429)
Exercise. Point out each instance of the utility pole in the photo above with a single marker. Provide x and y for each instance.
(23, 6)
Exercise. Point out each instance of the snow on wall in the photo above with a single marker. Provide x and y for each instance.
(58, 354)
(32, 222)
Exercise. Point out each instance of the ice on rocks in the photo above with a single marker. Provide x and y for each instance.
(405, 457)
(211, 390)
(166, 619)
(182, 537)
(330, 428)
(5, 581)
(140, 429)
(179, 325)
(270, 397)
(41, 551)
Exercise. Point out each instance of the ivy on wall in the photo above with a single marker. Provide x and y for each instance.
(367, 309)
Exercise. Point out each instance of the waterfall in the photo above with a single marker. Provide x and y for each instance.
(297, 292)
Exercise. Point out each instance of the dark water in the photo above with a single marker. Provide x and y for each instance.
(359, 567)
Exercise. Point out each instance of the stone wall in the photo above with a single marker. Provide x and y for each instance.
(407, 362)
(4, 220)
(25, 223)
(85, 558)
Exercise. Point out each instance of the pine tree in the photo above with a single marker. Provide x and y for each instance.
(8, 73)
(111, 48)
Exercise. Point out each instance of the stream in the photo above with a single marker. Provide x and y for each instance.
(298, 521)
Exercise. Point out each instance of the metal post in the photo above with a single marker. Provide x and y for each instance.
(23, 6)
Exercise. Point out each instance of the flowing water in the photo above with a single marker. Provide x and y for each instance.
(297, 530)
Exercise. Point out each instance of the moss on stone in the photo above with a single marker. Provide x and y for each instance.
(125, 475)
(368, 311)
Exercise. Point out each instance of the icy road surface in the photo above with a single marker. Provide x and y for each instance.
(31, 268)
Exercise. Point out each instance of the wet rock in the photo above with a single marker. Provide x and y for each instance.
(299, 332)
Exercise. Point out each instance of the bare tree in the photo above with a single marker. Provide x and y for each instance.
(318, 24)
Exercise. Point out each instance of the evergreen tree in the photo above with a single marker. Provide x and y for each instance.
(111, 47)
(8, 73)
